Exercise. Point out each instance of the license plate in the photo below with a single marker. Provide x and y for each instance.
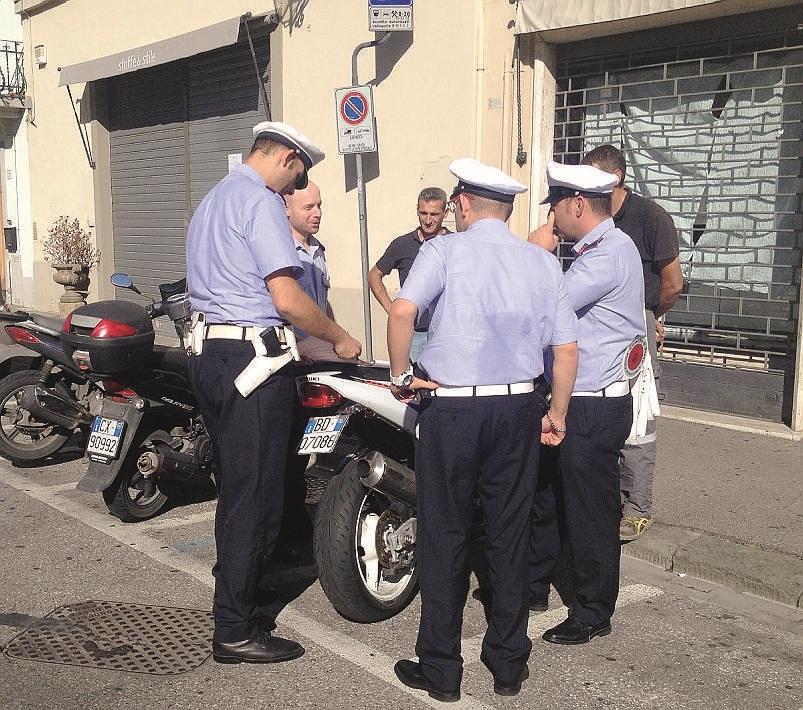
(104, 439)
(321, 434)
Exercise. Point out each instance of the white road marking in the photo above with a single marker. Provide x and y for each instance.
(167, 523)
(357, 652)
(62, 487)
(630, 594)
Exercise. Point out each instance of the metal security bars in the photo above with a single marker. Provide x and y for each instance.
(710, 122)
(12, 70)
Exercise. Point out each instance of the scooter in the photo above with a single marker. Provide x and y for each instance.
(40, 409)
(148, 438)
(365, 529)
(147, 442)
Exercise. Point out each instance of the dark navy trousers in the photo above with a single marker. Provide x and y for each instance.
(250, 436)
(469, 448)
(577, 506)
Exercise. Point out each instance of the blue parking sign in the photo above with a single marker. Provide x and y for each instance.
(390, 15)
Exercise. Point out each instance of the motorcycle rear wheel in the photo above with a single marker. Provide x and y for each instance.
(349, 570)
(132, 497)
(23, 438)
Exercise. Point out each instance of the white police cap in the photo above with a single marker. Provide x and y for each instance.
(570, 180)
(304, 148)
(482, 180)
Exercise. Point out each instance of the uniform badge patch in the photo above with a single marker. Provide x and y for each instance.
(633, 358)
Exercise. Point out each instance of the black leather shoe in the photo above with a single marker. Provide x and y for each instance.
(538, 604)
(512, 688)
(264, 648)
(572, 631)
(409, 673)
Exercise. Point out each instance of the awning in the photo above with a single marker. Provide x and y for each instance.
(570, 21)
(221, 34)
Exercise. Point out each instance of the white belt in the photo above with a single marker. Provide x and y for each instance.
(483, 390)
(617, 389)
(221, 331)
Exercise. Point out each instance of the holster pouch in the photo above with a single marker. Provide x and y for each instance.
(290, 339)
(270, 355)
(196, 339)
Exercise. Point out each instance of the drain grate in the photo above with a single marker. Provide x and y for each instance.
(136, 638)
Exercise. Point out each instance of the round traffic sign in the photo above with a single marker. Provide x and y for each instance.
(354, 108)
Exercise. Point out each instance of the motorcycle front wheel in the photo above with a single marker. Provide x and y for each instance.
(23, 437)
(350, 554)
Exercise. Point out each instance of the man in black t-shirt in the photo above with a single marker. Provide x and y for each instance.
(401, 253)
(653, 232)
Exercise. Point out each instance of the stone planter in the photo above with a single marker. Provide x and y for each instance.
(75, 279)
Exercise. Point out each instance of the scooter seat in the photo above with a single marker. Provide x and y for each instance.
(48, 321)
(380, 373)
(170, 359)
(15, 317)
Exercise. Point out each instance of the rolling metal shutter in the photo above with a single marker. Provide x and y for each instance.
(172, 129)
(149, 173)
(709, 118)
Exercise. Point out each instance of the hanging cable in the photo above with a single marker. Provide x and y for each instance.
(261, 83)
(521, 154)
(81, 130)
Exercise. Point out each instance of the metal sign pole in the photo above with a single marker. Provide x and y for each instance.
(363, 214)
(366, 292)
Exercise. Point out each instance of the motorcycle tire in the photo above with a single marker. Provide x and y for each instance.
(131, 498)
(340, 517)
(45, 439)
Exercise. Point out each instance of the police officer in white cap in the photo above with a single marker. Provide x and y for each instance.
(500, 303)
(606, 288)
(242, 271)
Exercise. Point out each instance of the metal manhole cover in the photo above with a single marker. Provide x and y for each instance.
(136, 638)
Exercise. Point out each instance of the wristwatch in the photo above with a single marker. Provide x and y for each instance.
(404, 379)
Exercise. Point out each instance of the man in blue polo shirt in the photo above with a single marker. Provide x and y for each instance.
(304, 210)
(500, 303)
(605, 285)
(242, 277)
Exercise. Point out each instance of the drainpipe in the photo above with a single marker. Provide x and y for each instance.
(797, 394)
(479, 75)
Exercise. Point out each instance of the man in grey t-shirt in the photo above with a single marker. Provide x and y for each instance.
(401, 254)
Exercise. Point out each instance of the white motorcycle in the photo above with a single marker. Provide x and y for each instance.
(364, 442)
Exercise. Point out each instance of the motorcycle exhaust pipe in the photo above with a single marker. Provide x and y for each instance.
(387, 476)
(47, 406)
(163, 460)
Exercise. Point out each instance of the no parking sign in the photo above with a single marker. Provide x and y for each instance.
(356, 132)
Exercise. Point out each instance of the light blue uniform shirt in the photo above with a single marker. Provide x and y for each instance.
(315, 280)
(238, 235)
(606, 288)
(501, 301)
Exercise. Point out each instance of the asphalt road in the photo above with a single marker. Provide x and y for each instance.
(677, 642)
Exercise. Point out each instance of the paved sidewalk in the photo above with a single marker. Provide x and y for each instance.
(728, 507)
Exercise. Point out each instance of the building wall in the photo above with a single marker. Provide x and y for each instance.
(448, 93)
(16, 176)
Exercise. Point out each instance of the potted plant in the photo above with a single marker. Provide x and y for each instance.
(71, 252)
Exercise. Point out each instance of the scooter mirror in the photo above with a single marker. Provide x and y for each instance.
(124, 281)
